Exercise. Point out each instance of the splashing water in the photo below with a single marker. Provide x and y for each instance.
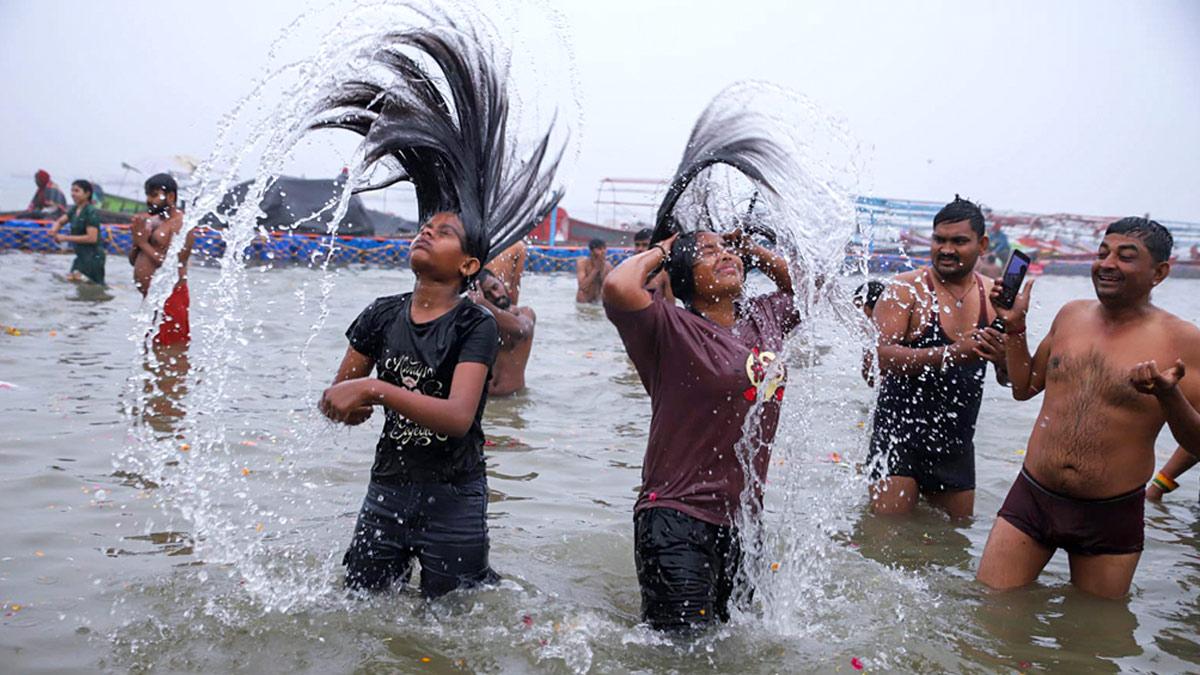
(256, 500)
(257, 517)
(795, 552)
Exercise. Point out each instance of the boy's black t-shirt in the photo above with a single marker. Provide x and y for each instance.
(422, 358)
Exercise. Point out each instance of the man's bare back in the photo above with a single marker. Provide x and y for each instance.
(1094, 436)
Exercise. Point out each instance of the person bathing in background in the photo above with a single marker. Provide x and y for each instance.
(509, 267)
(867, 295)
(152, 233)
(659, 282)
(1091, 450)
(84, 235)
(515, 325)
(933, 350)
(591, 271)
(48, 201)
(433, 349)
(865, 298)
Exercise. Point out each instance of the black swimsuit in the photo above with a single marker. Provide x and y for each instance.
(925, 423)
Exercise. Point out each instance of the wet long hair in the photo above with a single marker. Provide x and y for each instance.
(451, 145)
(723, 134)
(679, 268)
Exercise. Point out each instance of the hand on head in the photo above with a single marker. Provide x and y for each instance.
(667, 243)
(737, 241)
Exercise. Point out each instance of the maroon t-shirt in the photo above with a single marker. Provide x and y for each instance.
(702, 380)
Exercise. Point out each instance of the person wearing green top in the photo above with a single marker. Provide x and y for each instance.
(84, 234)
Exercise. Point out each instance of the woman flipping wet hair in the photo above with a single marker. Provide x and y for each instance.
(433, 349)
(705, 368)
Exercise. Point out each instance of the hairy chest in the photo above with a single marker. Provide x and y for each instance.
(1096, 372)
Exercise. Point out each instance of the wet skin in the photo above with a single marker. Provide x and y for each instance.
(904, 312)
(516, 325)
(1102, 411)
(590, 273)
(152, 233)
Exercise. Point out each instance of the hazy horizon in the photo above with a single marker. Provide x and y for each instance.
(1084, 107)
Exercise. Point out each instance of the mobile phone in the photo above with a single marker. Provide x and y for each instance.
(1010, 283)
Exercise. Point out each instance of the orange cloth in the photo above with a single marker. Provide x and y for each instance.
(175, 328)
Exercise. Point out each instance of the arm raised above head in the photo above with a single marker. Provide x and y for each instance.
(625, 287)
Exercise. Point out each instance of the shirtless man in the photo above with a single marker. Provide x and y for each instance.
(933, 352)
(590, 272)
(516, 334)
(152, 234)
(1092, 448)
(509, 265)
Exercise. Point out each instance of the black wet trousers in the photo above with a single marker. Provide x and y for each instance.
(687, 569)
(442, 525)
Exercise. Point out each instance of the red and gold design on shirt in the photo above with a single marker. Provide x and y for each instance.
(757, 364)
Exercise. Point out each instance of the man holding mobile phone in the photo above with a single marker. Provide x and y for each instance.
(934, 345)
(1082, 487)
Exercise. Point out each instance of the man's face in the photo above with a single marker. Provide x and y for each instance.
(1124, 270)
(495, 291)
(158, 201)
(955, 248)
(640, 245)
(599, 252)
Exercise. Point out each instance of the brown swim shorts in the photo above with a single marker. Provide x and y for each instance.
(1111, 526)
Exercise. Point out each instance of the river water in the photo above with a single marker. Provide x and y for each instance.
(107, 565)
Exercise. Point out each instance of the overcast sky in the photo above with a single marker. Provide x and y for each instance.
(1089, 107)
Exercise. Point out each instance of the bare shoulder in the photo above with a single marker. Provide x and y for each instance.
(1075, 309)
(527, 312)
(904, 287)
(1071, 314)
(1185, 333)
